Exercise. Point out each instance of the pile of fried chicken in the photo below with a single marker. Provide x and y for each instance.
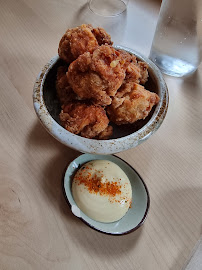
(98, 84)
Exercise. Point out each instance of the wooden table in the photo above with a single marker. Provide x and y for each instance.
(37, 229)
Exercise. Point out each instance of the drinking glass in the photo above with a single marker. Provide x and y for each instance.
(108, 7)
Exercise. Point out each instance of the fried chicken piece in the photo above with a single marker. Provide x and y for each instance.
(132, 73)
(63, 89)
(106, 133)
(99, 75)
(136, 71)
(102, 36)
(143, 72)
(81, 39)
(132, 104)
(89, 121)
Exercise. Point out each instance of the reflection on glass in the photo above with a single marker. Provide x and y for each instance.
(108, 7)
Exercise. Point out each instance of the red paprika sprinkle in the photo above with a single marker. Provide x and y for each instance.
(95, 185)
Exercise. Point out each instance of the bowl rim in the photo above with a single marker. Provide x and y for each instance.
(110, 146)
(89, 224)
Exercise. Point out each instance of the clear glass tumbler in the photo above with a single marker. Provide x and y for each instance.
(176, 44)
(108, 7)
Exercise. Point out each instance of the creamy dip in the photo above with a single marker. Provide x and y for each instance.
(102, 191)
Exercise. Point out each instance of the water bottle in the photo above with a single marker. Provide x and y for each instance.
(177, 39)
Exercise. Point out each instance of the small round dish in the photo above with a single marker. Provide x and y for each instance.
(135, 216)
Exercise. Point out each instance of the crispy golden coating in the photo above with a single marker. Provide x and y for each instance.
(89, 121)
(131, 103)
(102, 36)
(99, 75)
(132, 73)
(64, 90)
(136, 71)
(105, 134)
(99, 80)
(143, 72)
(81, 39)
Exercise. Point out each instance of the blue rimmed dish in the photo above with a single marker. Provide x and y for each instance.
(135, 216)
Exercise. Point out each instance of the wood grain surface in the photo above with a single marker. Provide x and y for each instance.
(37, 229)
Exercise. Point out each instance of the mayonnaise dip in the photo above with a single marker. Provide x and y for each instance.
(102, 191)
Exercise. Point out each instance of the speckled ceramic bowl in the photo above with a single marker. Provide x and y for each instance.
(134, 217)
(47, 108)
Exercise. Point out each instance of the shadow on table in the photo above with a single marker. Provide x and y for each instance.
(191, 86)
(194, 81)
(52, 181)
(186, 207)
(98, 244)
(53, 168)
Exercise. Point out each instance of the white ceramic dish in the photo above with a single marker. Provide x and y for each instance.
(135, 216)
(125, 137)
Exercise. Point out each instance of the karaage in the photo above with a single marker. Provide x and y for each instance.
(105, 134)
(81, 39)
(137, 71)
(131, 104)
(143, 72)
(89, 121)
(102, 36)
(100, 82)
(63, 89)
(99, 75)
